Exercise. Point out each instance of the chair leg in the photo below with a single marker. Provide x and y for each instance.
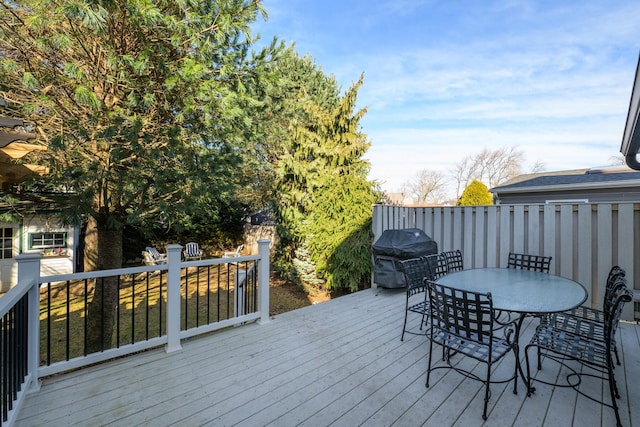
(429, 362)
(404, 327)
(516, 353)
(526, 360)
(615, 350)
(614, 392)
(487, 392)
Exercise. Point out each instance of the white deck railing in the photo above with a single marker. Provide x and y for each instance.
(585, 240)
(28, 287)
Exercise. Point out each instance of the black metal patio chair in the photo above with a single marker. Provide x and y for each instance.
(563, 346)
(524, 262)
(529, 262)
(415, 271)
(454, 260)
(463, 322)
(437, 265)
(589, 321)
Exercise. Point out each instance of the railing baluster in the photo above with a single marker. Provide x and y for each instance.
(68, 315)
(133, 309)
(101, 312)
(146, 328)
(117, 311)
(218, 291)
(186, 298)
(12, 354)
(86, 317)
(197, 296)
(208, 294)
(6, 360)
(49, 323)
(160, 322)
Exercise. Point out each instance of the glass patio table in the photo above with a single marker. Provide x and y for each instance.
(519, 291)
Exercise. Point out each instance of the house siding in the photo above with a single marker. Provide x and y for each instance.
(598, 195)
(50, 265)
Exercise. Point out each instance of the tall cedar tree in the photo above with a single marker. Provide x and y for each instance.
(140, 106)
(290, 85)
(338, 226)
(323, 199)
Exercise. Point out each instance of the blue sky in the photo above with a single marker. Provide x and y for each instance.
(445, 79)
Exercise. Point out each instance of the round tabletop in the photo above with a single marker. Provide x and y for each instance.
(521, 291)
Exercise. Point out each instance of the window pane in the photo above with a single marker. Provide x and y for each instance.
(48, 240)
(6, 243)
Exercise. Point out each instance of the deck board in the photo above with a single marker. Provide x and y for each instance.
(338, 363)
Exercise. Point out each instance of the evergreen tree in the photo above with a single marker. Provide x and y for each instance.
(338, 225)
(310, 135)
(140, 105)
(476, 194)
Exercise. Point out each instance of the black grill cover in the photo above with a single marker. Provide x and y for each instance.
(395, 245)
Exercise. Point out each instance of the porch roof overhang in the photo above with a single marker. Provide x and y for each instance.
(14, 145)
(630, 147)
(565, 187)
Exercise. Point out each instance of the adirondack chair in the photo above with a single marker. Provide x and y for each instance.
(192, 251)
(152, 256)
(238, 252)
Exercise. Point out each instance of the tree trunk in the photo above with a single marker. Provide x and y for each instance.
(103, 250)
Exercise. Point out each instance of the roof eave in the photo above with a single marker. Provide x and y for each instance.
(565, 187)
(631, 138)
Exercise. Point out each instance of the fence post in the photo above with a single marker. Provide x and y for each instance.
(174, 254)
(263, 280)
(29, 270)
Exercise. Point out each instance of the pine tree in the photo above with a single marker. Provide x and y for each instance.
(139, 105)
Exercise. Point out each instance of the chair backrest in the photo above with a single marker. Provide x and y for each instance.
(620, 295)
(437, 264)
(529, 262)
(454, 260)
(153, 252)
(192, 249)
(148, 258)
(466, 314)
(614, 283)
(237, 253)
(415, 270)
(614, 274)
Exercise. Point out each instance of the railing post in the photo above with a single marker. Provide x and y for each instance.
(174, 252)
(29, 269)
(263, 280)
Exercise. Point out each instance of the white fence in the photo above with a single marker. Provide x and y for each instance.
(585, 240)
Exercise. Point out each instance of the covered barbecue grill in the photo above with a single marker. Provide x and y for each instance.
(394, 246)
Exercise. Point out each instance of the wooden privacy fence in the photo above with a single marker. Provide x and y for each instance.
(584, 239)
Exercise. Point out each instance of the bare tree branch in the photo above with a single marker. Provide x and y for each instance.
(428, 187)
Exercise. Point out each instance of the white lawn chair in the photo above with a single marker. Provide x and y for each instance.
(237, 253)
(152, 256)
(192, 251)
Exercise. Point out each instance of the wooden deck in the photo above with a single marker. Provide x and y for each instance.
(337, 363)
